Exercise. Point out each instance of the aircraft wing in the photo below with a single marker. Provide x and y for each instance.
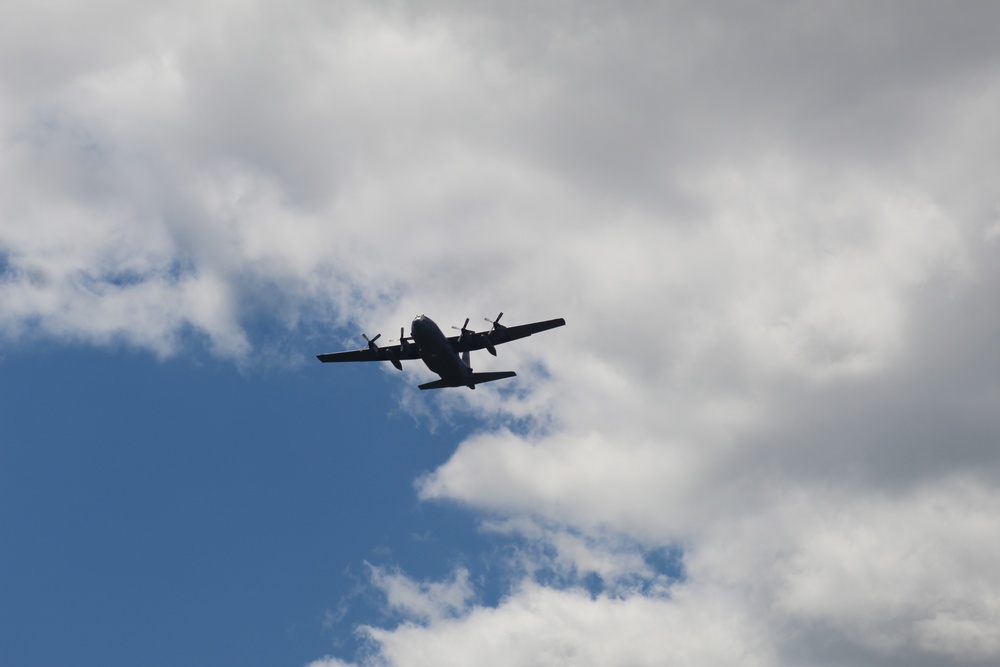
(393, 353)
(501, 334)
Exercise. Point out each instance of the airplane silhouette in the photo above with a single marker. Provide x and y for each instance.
(448, 356)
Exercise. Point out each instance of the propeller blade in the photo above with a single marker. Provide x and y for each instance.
(371, 341)
(496, 323)
(404, 342)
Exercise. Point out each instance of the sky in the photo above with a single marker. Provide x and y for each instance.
(767, 436)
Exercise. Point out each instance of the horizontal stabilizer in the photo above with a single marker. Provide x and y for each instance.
(476, 378)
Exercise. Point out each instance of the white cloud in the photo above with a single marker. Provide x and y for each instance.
(329, 661)
(769, 232)
(880, 572)
(541, 625)
(885, 580)
(427, 602)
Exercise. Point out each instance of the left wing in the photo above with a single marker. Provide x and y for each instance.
(500, 334)
(393, 353)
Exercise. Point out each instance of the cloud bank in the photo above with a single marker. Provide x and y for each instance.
(773, 233)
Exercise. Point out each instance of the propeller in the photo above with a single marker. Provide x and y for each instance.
(497, 329)
(371, 341)
(404, 342)
(389, 353)
(487, 343)
(463, 329)
(496, 323)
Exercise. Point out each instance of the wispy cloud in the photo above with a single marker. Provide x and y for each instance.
(769, 231)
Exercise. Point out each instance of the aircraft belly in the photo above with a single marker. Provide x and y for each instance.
(440, 364)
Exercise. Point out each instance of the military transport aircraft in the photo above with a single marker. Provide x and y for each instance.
(441, 354)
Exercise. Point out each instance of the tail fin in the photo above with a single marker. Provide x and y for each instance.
(470, 382)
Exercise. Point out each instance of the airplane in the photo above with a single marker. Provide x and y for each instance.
(441, 354)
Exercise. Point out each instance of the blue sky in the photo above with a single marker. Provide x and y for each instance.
(208, 516)
(767, 435)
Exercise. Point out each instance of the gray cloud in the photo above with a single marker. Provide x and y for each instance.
(772, 232)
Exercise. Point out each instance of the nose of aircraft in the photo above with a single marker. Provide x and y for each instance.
(418, 322)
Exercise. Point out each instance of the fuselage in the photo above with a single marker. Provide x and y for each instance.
(436, 351)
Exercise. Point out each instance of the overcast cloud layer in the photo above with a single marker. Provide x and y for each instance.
(774, 233)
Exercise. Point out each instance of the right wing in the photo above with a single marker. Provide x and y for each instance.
(507, 334)
(502, 334)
